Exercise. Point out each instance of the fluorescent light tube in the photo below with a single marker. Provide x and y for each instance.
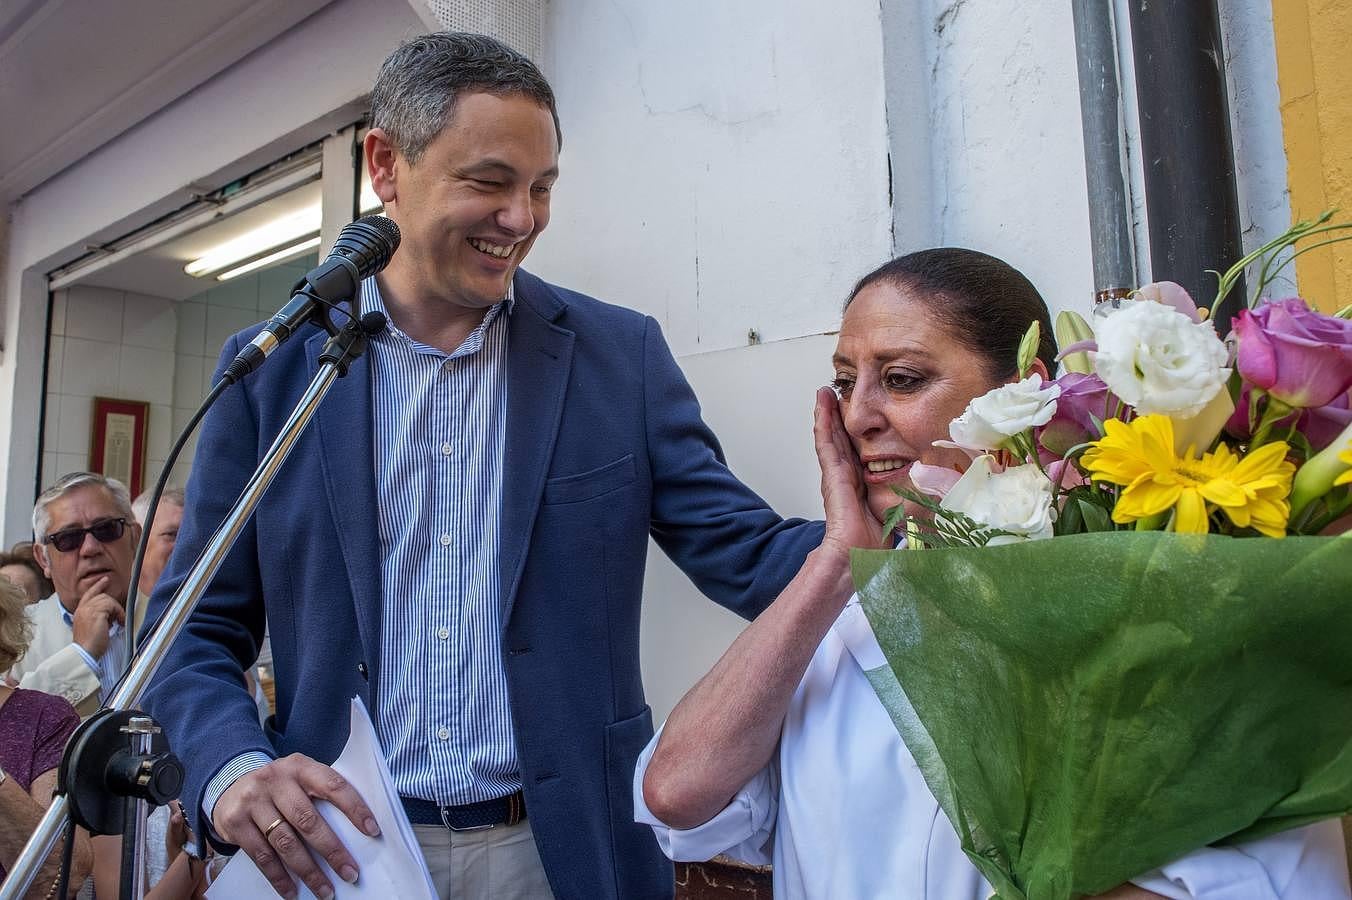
(281, 232)
(279, 256)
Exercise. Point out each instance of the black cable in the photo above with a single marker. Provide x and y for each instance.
(133, 589)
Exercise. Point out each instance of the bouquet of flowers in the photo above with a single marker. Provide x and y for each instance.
(1126, 638)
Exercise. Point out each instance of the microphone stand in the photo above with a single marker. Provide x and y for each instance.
(117, 760)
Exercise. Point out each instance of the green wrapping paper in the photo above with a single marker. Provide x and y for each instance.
(1089, 708)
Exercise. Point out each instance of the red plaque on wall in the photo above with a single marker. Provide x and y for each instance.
(118, 449)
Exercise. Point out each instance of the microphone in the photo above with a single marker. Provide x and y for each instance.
(363, 248)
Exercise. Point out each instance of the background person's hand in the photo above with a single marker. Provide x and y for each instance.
(94, 618)
(283, 790)
(178, 833)
(849, 522)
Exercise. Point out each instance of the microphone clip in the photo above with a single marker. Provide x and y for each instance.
(350, 341)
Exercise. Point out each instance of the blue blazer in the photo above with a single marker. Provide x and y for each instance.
(604, 447)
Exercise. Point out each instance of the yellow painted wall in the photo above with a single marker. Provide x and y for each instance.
(1314, 74)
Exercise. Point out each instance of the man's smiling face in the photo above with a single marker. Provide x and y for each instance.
(472, 204)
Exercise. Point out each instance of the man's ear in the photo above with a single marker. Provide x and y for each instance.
(40, 554)
(382, 159)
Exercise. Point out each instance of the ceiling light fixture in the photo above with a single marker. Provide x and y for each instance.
(282, 232)
(287, 234)
(282, 255)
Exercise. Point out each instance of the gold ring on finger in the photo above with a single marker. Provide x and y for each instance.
(275, 822)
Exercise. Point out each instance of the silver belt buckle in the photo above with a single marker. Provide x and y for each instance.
(441, 810)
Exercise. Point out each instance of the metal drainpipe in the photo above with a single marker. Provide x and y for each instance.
(1110, 229)
(1191, 200)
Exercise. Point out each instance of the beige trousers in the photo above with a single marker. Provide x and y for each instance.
(498, 863)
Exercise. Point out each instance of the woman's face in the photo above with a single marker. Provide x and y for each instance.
(902, 376)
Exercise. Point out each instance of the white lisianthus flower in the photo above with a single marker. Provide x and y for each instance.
(1017, 500)
(997, 415)
(1159, 360)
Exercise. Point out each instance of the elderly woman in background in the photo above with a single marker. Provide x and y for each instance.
(783, 753)
(34, 728)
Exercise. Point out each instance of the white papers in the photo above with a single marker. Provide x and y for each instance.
(391, 865)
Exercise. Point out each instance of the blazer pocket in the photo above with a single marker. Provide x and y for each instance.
(639, 865)
(587, 485)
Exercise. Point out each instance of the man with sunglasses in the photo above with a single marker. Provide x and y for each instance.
(86, 538)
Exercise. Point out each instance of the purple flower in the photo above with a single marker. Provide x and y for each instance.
(1083, 399)
(1324, 423)
(1300, 357)
(1320, 425)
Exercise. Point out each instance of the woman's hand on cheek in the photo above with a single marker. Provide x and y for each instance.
(849, 523)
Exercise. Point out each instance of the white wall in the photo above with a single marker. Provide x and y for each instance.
(1008, 153)
(724, 165)
(106, 344)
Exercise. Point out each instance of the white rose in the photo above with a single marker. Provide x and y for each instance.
(993, 418)
(1017, 500)
(1160, 361)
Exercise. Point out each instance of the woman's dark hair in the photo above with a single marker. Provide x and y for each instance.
(987, 303)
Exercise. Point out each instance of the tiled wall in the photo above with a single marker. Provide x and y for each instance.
(107, 343)
(205, 323)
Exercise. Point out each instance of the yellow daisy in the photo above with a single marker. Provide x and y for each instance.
(1253, 491)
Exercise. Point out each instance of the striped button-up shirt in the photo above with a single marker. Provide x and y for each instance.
(442, 713)
(442, 709)
(108, 667)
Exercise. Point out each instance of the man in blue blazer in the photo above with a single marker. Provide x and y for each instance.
(460, 537)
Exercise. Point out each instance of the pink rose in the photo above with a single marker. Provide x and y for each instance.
(1083, 398)
(1300, 357)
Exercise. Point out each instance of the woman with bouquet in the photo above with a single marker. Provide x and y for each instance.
(783, 752)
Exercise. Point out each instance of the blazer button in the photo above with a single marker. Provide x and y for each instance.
(361, 670)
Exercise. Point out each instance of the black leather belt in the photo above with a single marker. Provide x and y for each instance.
(507, 810)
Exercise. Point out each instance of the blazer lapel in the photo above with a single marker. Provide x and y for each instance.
(346, 425)
(539, 357)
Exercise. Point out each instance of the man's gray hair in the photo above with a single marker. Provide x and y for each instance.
(67, 483)
(140, 507)
(415, 92)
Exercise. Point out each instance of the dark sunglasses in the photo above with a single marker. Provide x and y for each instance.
(105, 532)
